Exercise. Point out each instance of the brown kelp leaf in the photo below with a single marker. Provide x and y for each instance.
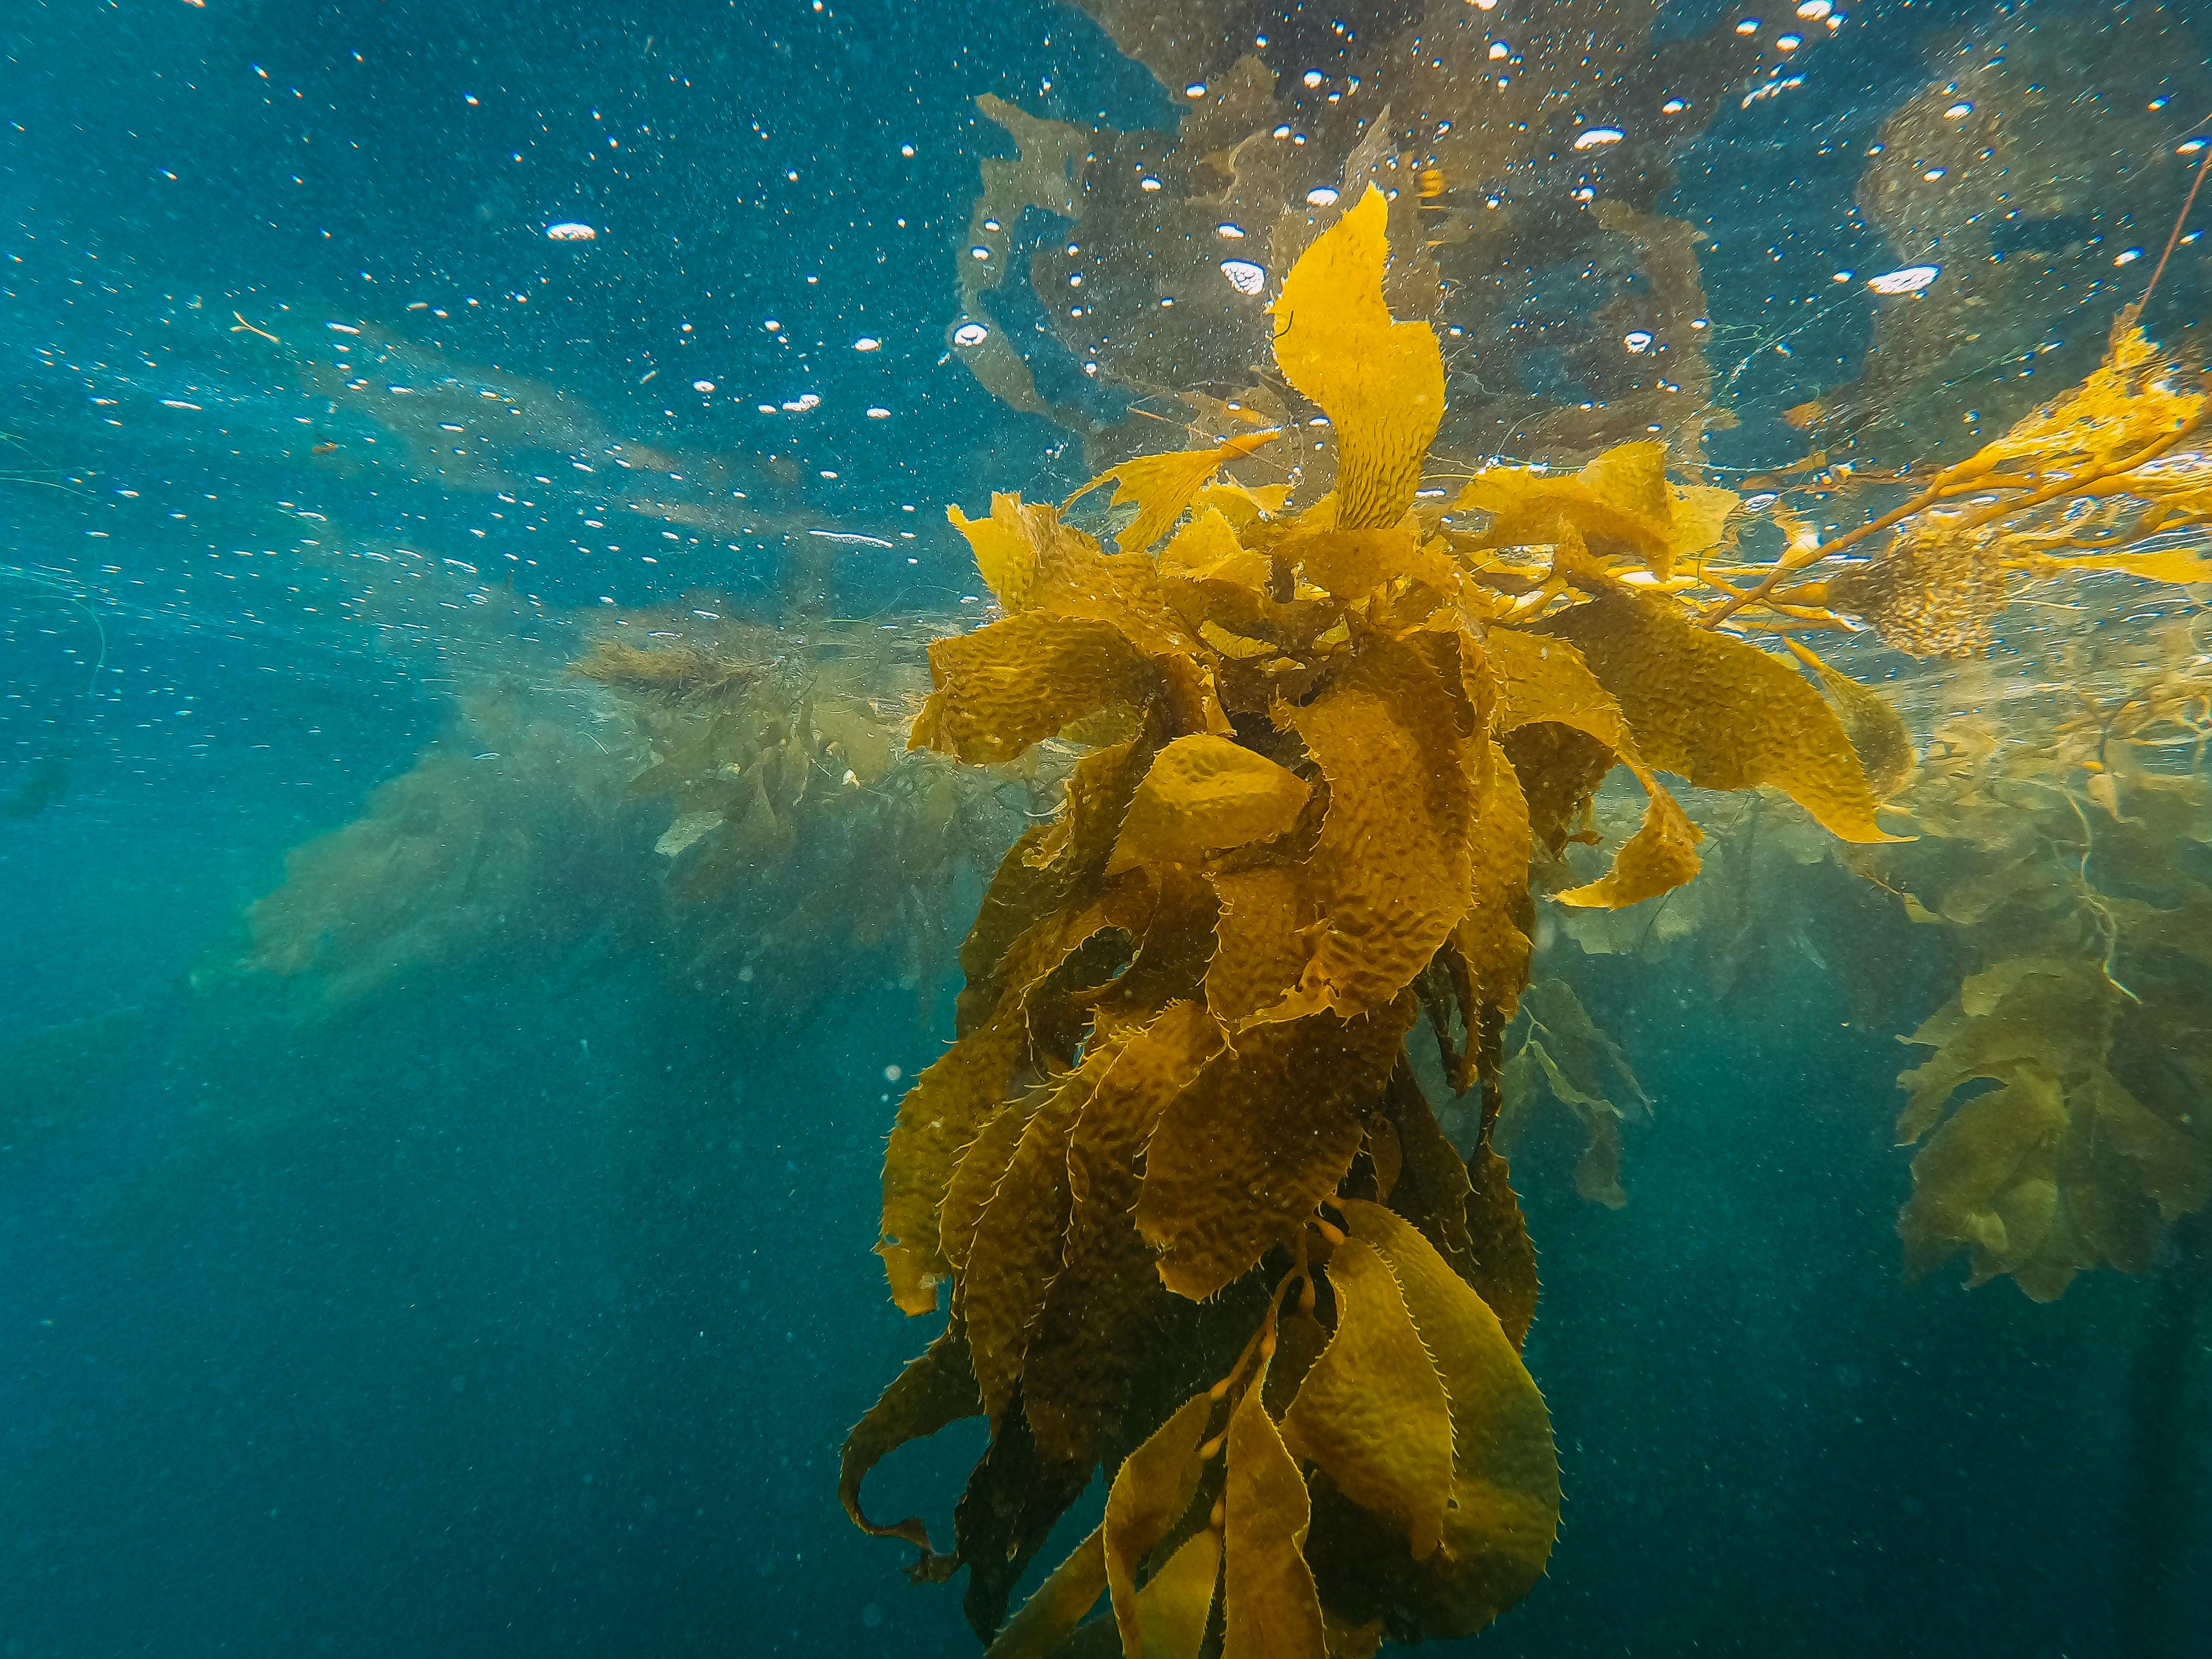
(1505, 1260)
(1264, 1134)
(1021, 679)
(1080, 1355)
(1149, 1495)
(1261, 951)
(1016, 1247)
(1058, 1605)
(1382, 383)
(934, 1390)
(1274, 1611)
(1546, 681)
(2173, 1171)
(1174, 1606)
(1505, 1477)
(1564, 1052)
(1014, 1494)
(1720, 712)
(1202, 795)
(1372, 1410)
(1391, 869)
(1431, 1187)
(960, 1091)
(976, 1175)
(1020, 895)
(1988, 1181)
(1491, 942)
(1162, 485)
(1870, 721)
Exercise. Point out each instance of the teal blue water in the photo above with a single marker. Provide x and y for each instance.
(519, 1307)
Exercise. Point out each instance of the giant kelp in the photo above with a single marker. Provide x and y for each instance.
(1197, 1220)
(1525, 158)
(731, 797)
(804, 847)
(2062, 855)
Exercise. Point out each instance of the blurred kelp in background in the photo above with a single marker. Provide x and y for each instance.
(733, 799)
(1525, 161)
(2034, 181)
(806, 840)
(510, 833)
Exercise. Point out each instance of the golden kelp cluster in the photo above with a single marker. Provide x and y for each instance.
(1197, 1217)
(804, 840)
(2066, 857)
(1525, 159)
(2108, 476)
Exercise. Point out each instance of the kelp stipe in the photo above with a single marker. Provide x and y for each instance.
(1198, 1222)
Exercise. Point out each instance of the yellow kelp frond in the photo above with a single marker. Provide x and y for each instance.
(1380, 382)
(1264, 1134)
(1005, 545)
(1391, 872)
(1206, 549)
(2074, 486)
(1877, 731)
(1150, 1493)
(1162, 485)
(1372, 1410)
(1720, 712)
(1204, 794)
(2140, 399)
(1503, 1509)
(1273, 1611)
(1543, 680)
(1001, 690)
(1620, 505)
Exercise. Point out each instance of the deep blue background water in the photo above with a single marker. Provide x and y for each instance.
(524, 1312)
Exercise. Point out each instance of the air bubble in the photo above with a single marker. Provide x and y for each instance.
(867, 343)
(1234, 233)
(969, 334)
(1243, 276)
(1322, 197)
(1908, 279)
(702, 386)
(1597, 136)
(1636, 340)
(568, 230)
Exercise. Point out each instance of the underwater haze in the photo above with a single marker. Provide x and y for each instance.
(474, 558)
